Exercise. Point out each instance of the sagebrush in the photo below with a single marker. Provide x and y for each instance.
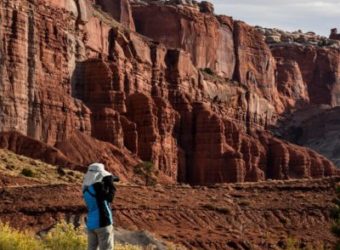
(62, 236)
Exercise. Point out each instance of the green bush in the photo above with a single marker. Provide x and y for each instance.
(11, 239)
(62, 237)
(147, 171)
(28, 172)
(292, 244)
(65, 236)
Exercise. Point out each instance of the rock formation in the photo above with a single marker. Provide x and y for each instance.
(194, 93)
(120, 10)
(316, 128)
(334, 34)
(318, 67)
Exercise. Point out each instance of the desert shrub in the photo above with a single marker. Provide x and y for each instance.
(65, 236)
(28, 172)
(11, 239)
(126, 247)
(61, 171)
(335, 214)
(147, 171)
(292, 244)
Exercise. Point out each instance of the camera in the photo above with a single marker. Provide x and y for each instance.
(116, 178)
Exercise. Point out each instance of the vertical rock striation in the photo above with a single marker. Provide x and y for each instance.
(195, 95)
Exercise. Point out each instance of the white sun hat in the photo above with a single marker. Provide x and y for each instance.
(95, 173)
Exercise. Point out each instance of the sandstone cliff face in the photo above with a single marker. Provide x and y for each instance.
(209, 43)
(233, 50)
(316, 128)
(319, 72)
(37, 57)
(196, 106)
(295, 69)
(120, 10)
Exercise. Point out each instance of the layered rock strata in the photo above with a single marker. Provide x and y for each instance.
(316, 128)
(120, 10)
(264, 215)
(195, 101)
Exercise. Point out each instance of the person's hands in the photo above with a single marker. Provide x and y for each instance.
(115, 178)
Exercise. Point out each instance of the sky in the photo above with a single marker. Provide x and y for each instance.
(288, 15)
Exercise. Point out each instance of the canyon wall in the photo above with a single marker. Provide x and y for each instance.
(196, 98)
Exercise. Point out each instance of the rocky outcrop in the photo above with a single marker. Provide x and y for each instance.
(76, 152)
(334, 34)
(222, 151)
(209, 42)
(316, 128)
(85, 150)
(306, 67)
(255, 65)
(196, 101)
(233, 50)
(120, 10)
(37, 59)
(206, 7)
(276, 37)
(319, 73)
(155, 120)
(27, 146)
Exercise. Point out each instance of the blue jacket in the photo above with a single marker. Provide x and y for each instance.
(98, 198)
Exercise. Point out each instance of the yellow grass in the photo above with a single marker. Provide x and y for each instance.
(63, 236)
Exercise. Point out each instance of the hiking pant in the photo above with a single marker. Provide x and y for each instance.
(101, 237)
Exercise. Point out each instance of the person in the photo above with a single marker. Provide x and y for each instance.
(98, 193)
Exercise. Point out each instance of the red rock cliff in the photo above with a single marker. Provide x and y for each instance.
(120, 10)
(196, 100)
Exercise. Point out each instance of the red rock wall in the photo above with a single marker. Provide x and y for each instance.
(120, 10)
(38, 54)
(151, 101)
(334, 34)
(315, 78)
(209, 43)
(238, 51)
(255, 65)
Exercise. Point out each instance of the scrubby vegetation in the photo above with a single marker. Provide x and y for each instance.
(28, 172)
(14, 240)
(335, 214)
(17, 165)
(63, 236)
(147, 171)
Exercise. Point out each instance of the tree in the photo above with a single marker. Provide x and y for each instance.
(147, 171)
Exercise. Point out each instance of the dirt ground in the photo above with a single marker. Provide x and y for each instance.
(268, 215)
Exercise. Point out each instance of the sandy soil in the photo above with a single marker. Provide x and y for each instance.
(237, 216)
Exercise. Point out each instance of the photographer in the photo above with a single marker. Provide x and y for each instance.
(98, 193)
